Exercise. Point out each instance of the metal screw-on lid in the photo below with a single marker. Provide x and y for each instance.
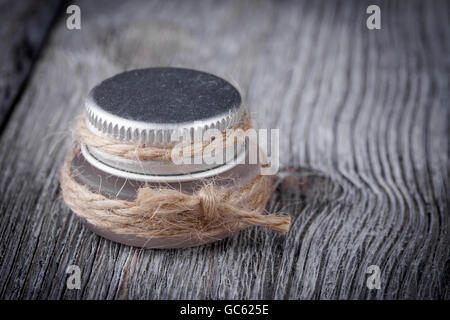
(147, 105)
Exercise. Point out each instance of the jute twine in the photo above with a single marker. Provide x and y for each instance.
(134, 151)
(166, 213)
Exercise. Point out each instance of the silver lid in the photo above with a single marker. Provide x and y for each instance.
(149, 105)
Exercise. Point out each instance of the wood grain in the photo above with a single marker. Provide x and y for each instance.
(363, 118)
(23, 31)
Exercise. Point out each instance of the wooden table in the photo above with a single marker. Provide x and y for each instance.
(363, 118)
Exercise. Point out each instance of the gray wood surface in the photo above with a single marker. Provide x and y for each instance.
(23, 30)
(364, 122)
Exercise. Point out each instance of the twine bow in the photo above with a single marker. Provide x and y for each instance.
(213, 205)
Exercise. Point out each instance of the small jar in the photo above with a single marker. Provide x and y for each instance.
(149, 106)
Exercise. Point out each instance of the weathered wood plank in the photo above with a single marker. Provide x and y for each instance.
(365, 111)
(23, 30)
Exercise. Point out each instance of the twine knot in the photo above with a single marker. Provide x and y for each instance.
(210, 199)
